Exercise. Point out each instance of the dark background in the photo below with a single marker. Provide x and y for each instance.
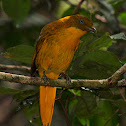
(20, 24)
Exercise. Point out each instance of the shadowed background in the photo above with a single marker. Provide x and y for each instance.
(99, 56)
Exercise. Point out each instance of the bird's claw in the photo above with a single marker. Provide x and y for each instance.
(68, 80)
(45, 79)
(65, 76)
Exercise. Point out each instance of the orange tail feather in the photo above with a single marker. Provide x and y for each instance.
(47, 99)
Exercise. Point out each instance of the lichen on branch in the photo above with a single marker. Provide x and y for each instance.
(37, 81)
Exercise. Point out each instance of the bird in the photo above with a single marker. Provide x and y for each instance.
(55, 48)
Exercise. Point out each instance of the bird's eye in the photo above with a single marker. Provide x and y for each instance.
(81, 22)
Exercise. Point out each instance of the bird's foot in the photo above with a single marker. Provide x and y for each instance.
(45, 79)
(65, 76)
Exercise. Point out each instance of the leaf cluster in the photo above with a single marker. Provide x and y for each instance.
(93, 60)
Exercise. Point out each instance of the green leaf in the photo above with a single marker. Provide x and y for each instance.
(72, 106)
(68, 12)
(123, 61)
(107, 111)
(4, 90)
(122, 18)
(33, 114)
(65, 94)
(19, 95)
(101, 43)
(86, 40)
(75, 92)
(31, 107)
(16, 9)
(119, 36)
(84, 122)
(72, 116)
(23, 95)
(71, 10)
(86, 105)
(21, 53)
(95, 65)
(120, 103)
(37, 120)
(107, 94)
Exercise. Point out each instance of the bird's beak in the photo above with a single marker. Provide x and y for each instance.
(93, 30)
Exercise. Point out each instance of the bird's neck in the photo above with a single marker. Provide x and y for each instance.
(75, 33)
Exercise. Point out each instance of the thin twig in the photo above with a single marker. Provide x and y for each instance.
(13, 67)
(122, 93)
(59, 98)
(67, 101)
(78, 7)
(118, 124)
(122, 114)
(60, 95)
(65, 112)
(111, 117)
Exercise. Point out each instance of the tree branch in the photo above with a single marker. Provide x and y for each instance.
(78, 7)
(67, 1)
(118, 74)
(111, 117)
(104, 83)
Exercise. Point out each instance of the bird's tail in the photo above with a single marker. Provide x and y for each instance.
(47, 99)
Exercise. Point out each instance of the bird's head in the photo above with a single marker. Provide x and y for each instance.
(80, 22)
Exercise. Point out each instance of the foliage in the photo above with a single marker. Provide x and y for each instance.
(95, 58)
(16, 9)
(18, 53)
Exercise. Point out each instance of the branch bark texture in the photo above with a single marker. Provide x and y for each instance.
(104, 83)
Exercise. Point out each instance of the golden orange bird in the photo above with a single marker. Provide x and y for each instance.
(54, 52)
